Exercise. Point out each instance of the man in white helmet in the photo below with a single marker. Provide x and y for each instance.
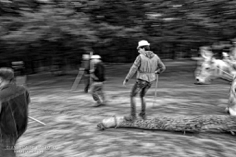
(147, 65)
(98, 78)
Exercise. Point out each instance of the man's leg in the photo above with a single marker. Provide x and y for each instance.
(142, 114)
(101, 93)
(134, 92)
(95, 95)
(146, 86)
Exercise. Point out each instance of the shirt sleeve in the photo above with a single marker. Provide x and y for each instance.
(134, 67)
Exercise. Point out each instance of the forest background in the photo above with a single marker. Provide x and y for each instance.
(43, 33)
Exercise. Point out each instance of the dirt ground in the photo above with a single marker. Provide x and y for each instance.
(71, 120)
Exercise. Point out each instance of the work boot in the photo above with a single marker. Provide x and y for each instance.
(143, 116)
(97, 104)
(130, 118)
(104, 103)
(227, 110)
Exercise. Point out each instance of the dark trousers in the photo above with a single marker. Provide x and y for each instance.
(97, 92)
(140, 87)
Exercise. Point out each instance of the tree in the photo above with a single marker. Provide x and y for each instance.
(193, 124)
(112, 28)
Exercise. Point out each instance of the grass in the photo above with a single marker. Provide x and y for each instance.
(71, 120)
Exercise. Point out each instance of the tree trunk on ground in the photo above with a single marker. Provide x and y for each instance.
(194, 124)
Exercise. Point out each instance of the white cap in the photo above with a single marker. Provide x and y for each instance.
(95, 57)
(143, 43)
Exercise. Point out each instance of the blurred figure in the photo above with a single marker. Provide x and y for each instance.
(210, 68)
(206, 52)
(147, 65)
(98, 78)
(233, 50)
(231, 57)
(86, 66)
(231, 108)
(13, 112)
(206, 55)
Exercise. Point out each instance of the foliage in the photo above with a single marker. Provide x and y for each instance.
(39, 29)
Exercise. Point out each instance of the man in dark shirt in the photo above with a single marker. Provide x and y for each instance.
(14, 102)
(98, 77)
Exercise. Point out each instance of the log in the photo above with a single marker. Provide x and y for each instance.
(193, 124)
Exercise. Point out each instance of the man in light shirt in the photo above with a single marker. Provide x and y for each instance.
(147, 65)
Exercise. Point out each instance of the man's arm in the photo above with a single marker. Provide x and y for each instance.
(161, 66)
(93, 76)
(134, 68)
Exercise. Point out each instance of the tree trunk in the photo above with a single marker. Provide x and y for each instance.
(194, 124)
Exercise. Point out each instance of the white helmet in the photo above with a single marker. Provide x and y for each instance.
(143, 43)
(95, 57)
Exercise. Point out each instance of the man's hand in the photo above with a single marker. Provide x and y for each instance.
(94, 77)
(157, 72)
(124, 82)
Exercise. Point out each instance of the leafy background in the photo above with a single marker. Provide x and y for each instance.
(46, 32)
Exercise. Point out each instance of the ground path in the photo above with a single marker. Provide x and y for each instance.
(71, 120)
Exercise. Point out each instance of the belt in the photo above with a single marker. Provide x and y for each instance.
(147, 72)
